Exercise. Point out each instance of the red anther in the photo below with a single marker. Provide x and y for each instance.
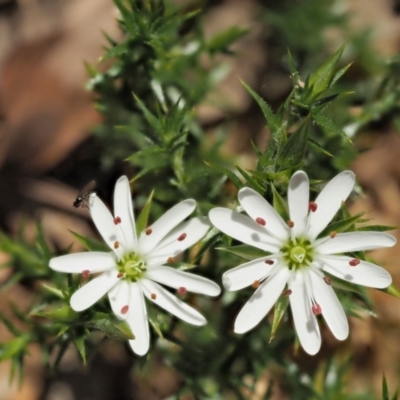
(354, 262)
(327, 280)
(316, 309)
(182, 237)
(148, 231)
(290, 223)
(153, 296)
(116, 245)
(171, 260)
(182, 290)
(256, 284)
(260, 221)
(117, 220)
(269, 262)
(85, 273)
(332, 234)
(120, 275)
(312, 206)
(124, 309)
(287, 292)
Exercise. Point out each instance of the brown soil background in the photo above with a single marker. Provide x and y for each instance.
(46, 114)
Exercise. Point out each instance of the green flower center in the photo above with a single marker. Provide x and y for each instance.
(298, 253)
(132, 267)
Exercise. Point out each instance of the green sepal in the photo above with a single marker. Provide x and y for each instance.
(343, 225)
(53, 290)
(245, 251)
(279, 204)
(377, 228)
(114, 329)
(279, 311)
(90, 243)
(142, 220)
(225, 171)
(392, 290)
(80, 345)
(62, 314)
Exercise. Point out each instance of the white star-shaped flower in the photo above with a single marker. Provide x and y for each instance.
(296, 258)
(136, 265)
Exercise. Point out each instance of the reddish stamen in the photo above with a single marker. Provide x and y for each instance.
(182, 291)
(316, 309)
(287, 292)
(354, 262)
(85, 273)
(269, 262)
(332, 234)
(153, 296)
(170, 260)
(256, 284)
(182, 237)
(260, 221)
(124, 309)
(117, 220)
(116, 245)
(120, 275)
(148, 231)
(327, 280)
(312, 206)
(290, 223)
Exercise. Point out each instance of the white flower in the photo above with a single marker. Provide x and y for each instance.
(136, 266)
(296, 257)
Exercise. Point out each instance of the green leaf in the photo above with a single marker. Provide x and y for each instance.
(392, 290)
(339, 74)
(245, 251)
(328, 124)
(279, 311)
(151, 118)
(272, 121)
(116, 51)
(251, 181)
(90, 243)
(225, 171)
(13, 347)
(53, 290)
(385, 390)
(294, 149)
(222, 40)
(321, 79)
(142, 220)
(80, 345)
(318, 147)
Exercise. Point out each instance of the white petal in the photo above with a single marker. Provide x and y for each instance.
(171, 304)
(104, 222)
(192, 231)
(261, 302)
(175, 279)
(137, 320)
(298, 201)
(331, 308)
(123, 208)
(329, 201)
(304, 320)
(165, 224)
(243, 228)
(94, 290)
(257, 207)
(365, 273)
(246, 274)
(354, 241)
(76, 263)
(119, 297)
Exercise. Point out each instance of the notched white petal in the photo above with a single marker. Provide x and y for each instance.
(168, 221)
(179, 279)
(123, 209)
(158, 295)
(354, 241)
(365, 273)
(76, 263)
(329, 201)
(243, 228)
(119, 297)
(298, 200)
(261, 302)
(93, 291)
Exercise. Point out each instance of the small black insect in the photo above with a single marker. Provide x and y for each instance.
(82, 200)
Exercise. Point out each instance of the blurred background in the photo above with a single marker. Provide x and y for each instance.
(49, 148)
